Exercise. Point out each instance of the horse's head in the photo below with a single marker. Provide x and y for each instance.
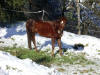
(62, 23)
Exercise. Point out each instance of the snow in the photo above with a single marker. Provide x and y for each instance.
(2, 32)
(16, 36)
(10, 65)
(92, 43)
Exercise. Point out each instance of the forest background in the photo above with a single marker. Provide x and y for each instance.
(12, 11)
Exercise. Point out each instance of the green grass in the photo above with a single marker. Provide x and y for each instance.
(23, 53)
(72, 58)
(45, 58)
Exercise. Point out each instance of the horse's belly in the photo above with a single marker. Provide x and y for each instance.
(47, 34)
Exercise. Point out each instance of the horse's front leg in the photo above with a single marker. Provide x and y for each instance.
(59, 44)
(53, 45)
(34, 42)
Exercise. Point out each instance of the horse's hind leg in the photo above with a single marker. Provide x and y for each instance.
(34, 42)
(29, 40)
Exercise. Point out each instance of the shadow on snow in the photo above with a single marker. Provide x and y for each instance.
(17, 29)
(65, 47)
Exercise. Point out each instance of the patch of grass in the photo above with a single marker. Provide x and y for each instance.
(75, 73)
(86, 70)
(98, 50)
(45, 58)
(1, 41)
(72, 58)
(23, 53)
(12, 68)
(13, 39)
(86, 45)
(8, 67)
(61, 69)
(38, 57)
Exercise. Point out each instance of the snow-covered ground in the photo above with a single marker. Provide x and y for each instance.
(10, 65)
(16, 36)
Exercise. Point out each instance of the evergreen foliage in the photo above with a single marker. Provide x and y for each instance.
(7, 14)
(53, 7)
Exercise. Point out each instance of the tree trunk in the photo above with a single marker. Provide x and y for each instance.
(78, 14)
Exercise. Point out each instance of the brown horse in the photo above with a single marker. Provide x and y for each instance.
(49, 29)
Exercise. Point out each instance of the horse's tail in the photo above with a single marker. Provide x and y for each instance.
(29, 24)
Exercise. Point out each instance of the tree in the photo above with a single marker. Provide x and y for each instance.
(78, 13)
(55, 9)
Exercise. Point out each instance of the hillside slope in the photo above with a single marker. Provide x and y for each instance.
(16, 37)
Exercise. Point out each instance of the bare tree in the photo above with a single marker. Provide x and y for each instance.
(78, 14)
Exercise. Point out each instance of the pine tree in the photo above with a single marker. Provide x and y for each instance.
(55, 9)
